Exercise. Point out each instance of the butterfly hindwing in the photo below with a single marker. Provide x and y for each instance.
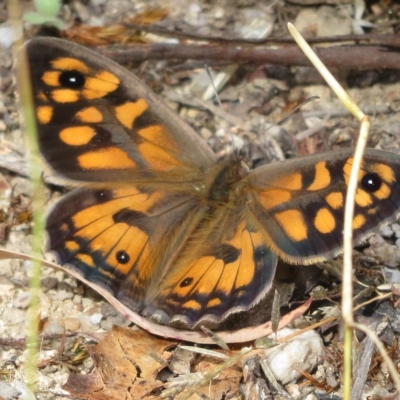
(301, 206)
(120, 239)
(226, 267)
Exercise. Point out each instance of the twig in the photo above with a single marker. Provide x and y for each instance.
(379, 39)
(361, 373)
(350, 57)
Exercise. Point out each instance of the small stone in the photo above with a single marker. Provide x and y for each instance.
(59, 275)
(331, 23)
(303, 353)
(86, 303)
(22, 300)
(72, 324)
(375, 240)
(205, 133)
(107, 324)
(293, 390)
(305, 22)
(6, 35)
(63, 295)
(7, 391)
(55, 326)
(77, 299)
(221, 133)
(49, 283)
(396, 227)
(386, 231)
(96, 318)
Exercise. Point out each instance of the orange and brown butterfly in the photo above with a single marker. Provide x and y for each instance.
(175, 235)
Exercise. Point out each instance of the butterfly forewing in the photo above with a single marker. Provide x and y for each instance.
(301, 205)
(94, 116)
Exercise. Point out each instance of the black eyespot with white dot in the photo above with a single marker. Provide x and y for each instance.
(186, 282)
(122, 257)
(72, 79)
(371, 182)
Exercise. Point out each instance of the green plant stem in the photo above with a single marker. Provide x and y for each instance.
(28, 113)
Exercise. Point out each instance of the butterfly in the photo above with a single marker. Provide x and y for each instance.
(157, 221)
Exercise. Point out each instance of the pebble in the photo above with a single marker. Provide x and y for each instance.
(22, 300)
(386, 231)
(391, 275)
(6, 36)
(72, 324)
(77, 299)
(7, 391)
(305, 22)
(302, 353)
(63, 295)
(330, 22)
(49, 282)
(86, 303)
(96, 318)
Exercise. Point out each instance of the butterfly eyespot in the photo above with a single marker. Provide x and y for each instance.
(72, 79)
(371, 182)
(186, 282)
(122, 257)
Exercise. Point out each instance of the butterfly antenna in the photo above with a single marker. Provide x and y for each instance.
(303, 103)
(282, 120)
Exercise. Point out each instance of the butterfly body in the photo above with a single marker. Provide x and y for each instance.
(175, 235)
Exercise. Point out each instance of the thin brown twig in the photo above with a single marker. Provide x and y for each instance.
(345, 57)
(381, 39)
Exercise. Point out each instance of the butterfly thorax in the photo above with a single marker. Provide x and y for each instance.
(223, 188)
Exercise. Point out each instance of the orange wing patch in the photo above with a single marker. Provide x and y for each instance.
(383, 192)
(384, 171)
(347, 170)
(271, 198)
(97, 87)
(363, 199)
(127, 113)
(44, 114)
(89, 115)
(77, 135)
(293, 224)
(322, 177)
(324, 221)
(86, 259)
(335, 200)
(70, 64)
(290, 182)
(108, 158)
(358, 221)
(72, 245)
(157, 158)
(65, 95)
(51, 78)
